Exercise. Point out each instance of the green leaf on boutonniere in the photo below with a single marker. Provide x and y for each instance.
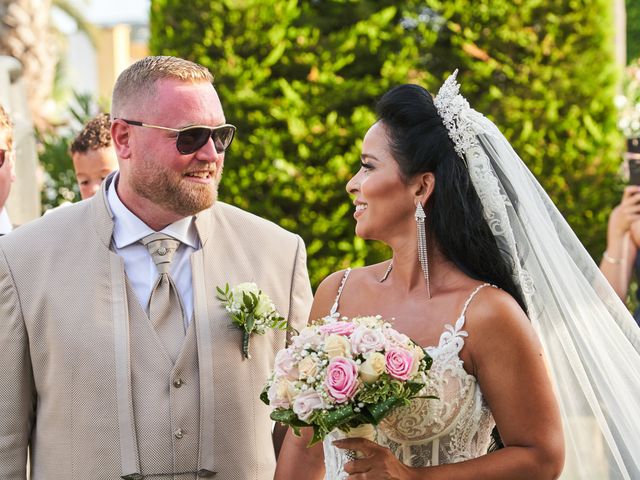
(251, 310)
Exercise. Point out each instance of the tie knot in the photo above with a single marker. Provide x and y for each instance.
(161, 247)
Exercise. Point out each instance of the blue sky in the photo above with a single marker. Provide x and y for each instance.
(107, 12)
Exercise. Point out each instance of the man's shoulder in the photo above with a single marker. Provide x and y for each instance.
(60, 223)
(251, 223)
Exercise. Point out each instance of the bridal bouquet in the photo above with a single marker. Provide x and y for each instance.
(343, 374)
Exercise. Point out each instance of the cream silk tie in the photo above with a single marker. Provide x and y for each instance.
(165, 308)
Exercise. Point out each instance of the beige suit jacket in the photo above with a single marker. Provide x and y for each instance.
(65, 372)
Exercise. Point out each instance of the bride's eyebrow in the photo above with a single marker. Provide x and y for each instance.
(366, 156)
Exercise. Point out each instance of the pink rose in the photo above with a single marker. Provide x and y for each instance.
(342, 379)
(338, 328)
(399, 363)
(305, 404)
(365, 340)
(285, 364)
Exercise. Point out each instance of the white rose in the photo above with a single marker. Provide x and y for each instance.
(245, 287)
(306, 403)
(307, 368)
(365, 340)
(264, 306)
(396, 339)
(372, 367)
(308, 335)
(337, 346)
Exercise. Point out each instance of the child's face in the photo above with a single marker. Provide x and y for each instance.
(92, 167)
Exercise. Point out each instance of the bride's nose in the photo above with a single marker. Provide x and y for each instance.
(353, 185)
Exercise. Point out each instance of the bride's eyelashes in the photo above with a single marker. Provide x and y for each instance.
(366, 166)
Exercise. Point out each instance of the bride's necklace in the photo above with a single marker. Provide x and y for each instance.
(386, 274)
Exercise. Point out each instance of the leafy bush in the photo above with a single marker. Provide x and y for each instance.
(300, 79)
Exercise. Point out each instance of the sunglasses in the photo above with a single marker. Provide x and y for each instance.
(4, 154)
(192, 139)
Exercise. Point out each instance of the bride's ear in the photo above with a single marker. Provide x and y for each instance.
(424, 186)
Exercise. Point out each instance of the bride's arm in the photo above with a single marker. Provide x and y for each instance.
(295, 459)
(506, 358)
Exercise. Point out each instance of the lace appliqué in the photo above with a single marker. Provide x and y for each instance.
(454, 427)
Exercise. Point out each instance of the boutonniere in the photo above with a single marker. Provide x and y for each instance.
(251, 310)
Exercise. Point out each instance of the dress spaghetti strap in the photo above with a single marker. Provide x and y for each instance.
(473, 294)
(334, 309)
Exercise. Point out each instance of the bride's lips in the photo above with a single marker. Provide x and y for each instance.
(360, 209)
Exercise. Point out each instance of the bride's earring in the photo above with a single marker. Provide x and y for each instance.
(423, 257)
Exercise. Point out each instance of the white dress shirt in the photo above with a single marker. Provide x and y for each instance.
(138, 264)
(5, 222)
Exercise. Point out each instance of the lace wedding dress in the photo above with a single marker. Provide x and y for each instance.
(454, 427)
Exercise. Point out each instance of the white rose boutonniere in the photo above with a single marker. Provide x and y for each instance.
(251, 310)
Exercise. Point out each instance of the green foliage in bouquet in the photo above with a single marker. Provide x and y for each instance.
(300, 79)
(390, 395)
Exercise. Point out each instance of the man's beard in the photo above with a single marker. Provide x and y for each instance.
(169, 190)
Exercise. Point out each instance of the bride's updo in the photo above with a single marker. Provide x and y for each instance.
(420, 143)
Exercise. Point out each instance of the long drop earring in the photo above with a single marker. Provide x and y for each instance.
(422, 245)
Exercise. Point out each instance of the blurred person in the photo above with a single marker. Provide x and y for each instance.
(118, 359)
(7, 168)
(620, 260)
(93, 155)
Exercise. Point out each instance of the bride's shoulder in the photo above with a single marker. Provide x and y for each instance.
(331, 286)
(496, 314)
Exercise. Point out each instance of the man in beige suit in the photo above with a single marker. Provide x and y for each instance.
(117, 358)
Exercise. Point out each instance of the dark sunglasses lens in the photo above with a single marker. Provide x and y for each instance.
(222, 138)
(192, 139)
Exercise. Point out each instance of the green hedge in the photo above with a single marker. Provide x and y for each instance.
(300, 79)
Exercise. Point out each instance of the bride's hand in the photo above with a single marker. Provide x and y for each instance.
(378, 462)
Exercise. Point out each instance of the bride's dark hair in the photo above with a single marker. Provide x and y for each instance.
(420, 143)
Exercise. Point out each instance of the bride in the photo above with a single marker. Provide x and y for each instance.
(535, 358)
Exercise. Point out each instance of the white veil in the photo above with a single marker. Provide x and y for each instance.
(591, 342)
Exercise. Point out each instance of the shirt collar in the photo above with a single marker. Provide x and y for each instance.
(129, 229)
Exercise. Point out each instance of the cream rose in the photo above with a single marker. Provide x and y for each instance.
(372, 367)
(280, 393)
(337, 346)
(308, 367)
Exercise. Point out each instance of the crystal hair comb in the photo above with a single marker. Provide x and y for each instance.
(454, 110)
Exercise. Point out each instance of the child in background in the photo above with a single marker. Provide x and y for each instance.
(93, 155)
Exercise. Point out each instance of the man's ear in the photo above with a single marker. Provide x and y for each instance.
(425, 183)
(120, 137)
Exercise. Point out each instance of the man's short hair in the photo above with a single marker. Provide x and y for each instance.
(138, 82)
(6, 126)
(95, 134)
